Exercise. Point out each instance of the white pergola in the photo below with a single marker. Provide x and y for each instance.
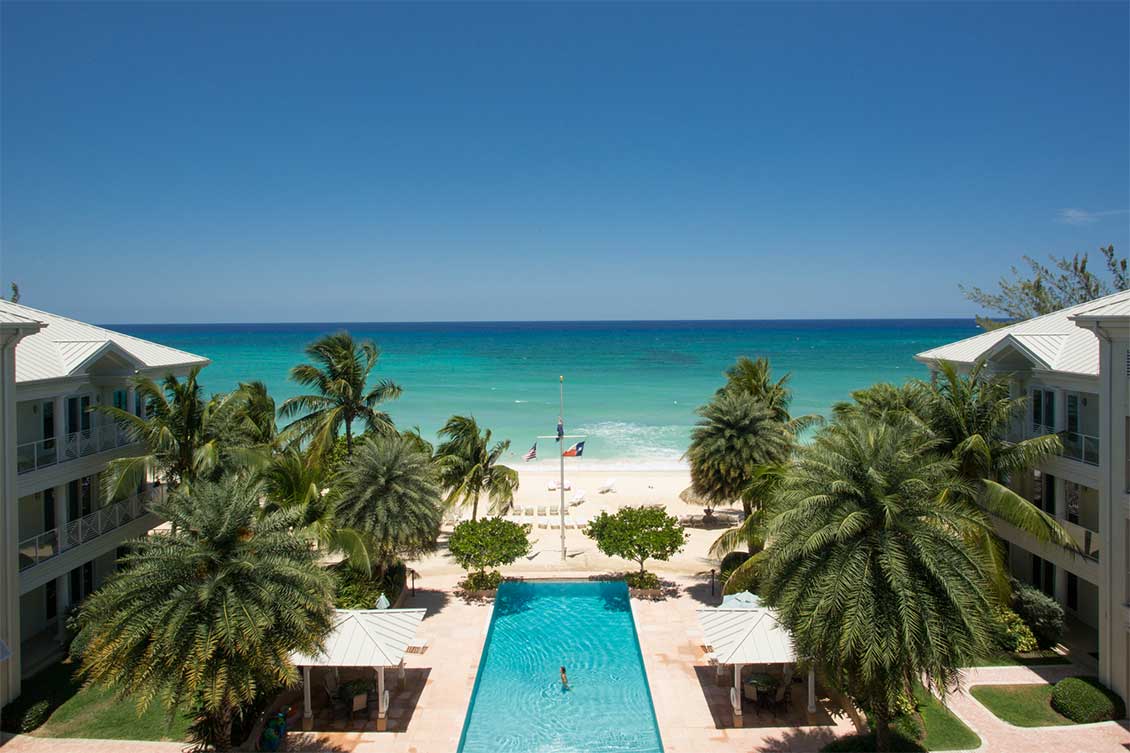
(362, 638)
(742, 635)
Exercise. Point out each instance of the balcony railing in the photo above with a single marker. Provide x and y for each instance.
(46, 545)
(31, 456)
(1079, 446)
(1039, 430)
(1089, 541)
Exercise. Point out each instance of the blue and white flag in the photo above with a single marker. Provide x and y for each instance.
(560, 428)
(575, 451)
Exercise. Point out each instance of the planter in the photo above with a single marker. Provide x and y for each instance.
(651, 594)
(482, 595)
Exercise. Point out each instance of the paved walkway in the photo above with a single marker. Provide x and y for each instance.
(998, 736)
(29, 744)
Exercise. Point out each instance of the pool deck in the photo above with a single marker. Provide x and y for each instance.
(692, 712)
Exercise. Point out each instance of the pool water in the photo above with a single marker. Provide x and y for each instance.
(519, 704)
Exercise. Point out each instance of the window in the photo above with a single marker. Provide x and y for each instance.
(1043, 491)
(48, 509)
(48, 419)
(1073, 413)
(84, 415)
(1043, 411)
(120, 398)
(1073, 592)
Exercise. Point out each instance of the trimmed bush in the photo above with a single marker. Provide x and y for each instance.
(482, 581)
(866, 743)
(1012, 633)
(34, 716)
(644, 581)
(1042, 614)
(1085, 700)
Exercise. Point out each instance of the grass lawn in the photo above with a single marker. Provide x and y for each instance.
(91, 712)
(1022, 705)
(1034, 659)
(944, 731)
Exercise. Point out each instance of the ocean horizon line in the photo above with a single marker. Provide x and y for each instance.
(561, 322)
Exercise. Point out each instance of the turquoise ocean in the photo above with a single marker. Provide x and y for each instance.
(631, 387)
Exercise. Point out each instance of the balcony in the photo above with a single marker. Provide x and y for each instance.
(1089, 541)
(48, 544)
(43, 453)
(1082, 447)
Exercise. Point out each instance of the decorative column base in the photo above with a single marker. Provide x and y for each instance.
(307, 723)
(382, 724)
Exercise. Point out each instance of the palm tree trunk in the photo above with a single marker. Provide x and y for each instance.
(882, 732)
(349, 437)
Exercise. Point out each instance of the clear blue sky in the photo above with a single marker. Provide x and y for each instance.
(316, 162)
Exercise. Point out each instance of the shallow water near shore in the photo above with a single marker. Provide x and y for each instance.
(631, 387)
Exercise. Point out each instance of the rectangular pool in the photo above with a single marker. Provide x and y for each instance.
(519, 704)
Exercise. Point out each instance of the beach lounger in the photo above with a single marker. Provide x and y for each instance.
(417, 645)
(609, 486)
(578, 498)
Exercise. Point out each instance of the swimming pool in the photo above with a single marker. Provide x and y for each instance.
(519, 705)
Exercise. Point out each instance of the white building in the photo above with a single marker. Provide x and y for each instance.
(59, 535)
(1074, 367)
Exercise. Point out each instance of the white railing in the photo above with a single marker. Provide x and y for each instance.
(1079, 446)
(31, 456)
(87, 528)
(1039, 430)
(1090, 542)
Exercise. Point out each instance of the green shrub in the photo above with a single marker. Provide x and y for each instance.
(866, 744)
(637, 534)
(644, 581)
(1042, 614)
(357, 590)
(487, 542)
(1085, 700)
(1012, 633)
(482, 581)
(34, 716)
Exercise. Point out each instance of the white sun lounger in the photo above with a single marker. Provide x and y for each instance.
(578, 498)
(554, 486)
(609, 486)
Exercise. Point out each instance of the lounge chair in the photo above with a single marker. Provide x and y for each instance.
(609, 486)
(417, 645)
(578, 498)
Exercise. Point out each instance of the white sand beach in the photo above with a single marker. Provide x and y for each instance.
(630, 488)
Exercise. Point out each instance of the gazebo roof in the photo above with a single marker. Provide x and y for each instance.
(365, 638)
(746, 636)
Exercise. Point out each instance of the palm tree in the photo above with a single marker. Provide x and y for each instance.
(207, 615)
(869, 567)
(469, 467)
(293, 481)
(256, 412)
(340, 374)
(736, 435)
(755, 378)
(390, 492)
(182, 436)
(970, 417)
(750, 534)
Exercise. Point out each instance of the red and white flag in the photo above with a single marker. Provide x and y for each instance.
(533, 453)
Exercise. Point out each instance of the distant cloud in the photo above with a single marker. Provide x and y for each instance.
(1086, 217)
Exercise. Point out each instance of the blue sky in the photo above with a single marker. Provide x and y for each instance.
(366, 162)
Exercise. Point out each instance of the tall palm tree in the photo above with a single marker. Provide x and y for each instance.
(390, 492)
(469, 467)
(869, 567)
(182, 436)
(970, 416)
(208, 615)
(735, 436)
(754, 377)
(340, 375)
(293, 481)
(256, 412)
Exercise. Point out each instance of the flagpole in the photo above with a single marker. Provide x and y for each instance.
(561, 452)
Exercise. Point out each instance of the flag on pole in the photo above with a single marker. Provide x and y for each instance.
(575, 451)
(560, 428)
(533, 453)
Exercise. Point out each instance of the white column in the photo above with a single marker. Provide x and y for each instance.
(307, 712)
(738, 692)
(811, 690)
(382, 712)
(131, 399)
(59, 416)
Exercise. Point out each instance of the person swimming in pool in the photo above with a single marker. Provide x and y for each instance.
(564, 679)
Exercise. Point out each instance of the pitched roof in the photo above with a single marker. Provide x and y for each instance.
(365, 638)
(1053, 341)
(746, 636)
(64, 347)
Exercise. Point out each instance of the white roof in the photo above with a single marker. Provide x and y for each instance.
(365, 638)
(64, 347)
(746, 636)
(1055, 341)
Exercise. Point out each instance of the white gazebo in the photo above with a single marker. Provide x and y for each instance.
(360, 638)
(741, 635)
